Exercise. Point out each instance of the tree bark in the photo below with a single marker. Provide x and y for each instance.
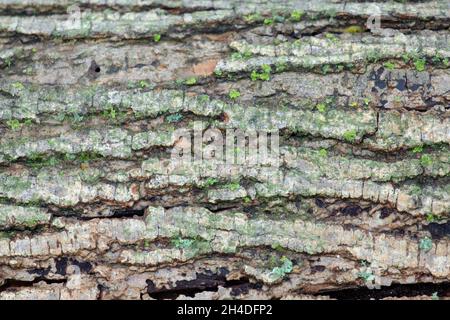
(95, 204)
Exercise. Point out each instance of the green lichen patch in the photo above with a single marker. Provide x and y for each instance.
(22, 217)
(425, 244)
(285, 268)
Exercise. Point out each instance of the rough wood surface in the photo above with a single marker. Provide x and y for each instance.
(94, 207)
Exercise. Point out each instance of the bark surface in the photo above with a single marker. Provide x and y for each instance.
(94, 207)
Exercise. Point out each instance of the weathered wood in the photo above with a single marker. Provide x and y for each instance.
(92, 100)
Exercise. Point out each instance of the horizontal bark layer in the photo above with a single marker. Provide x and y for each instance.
(92, 101)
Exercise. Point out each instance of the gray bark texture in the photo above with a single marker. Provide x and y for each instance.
(96, 204)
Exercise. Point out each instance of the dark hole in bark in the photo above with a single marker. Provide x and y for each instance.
(13, 283)
(439, 230)
(395, 290)
(352, 210)
(203, 282)
(84, 266)
(62, 264)
(39, 271)
(94, 68)
(385, 212)
(319, 203)
(315, 269)
(128, 213)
